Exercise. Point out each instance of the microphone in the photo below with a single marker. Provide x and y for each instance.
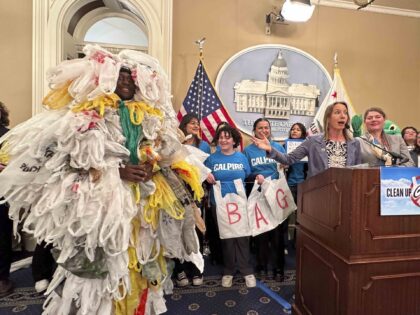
(394, 155)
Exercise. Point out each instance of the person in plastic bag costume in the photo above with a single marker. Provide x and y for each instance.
(102, 177)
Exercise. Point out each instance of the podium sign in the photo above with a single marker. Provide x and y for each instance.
(400, 191)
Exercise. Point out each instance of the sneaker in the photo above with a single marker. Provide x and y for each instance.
(250, 281)
(197, 280)
(182, 280)
(227, 281)
(6, 287)
(41, 285)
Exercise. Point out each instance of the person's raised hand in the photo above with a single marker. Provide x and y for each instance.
(263, 143)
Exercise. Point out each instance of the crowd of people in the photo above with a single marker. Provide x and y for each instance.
(336, 147)
(263, 158)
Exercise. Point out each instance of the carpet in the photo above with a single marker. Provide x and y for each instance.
(210, 298)
(24, 300)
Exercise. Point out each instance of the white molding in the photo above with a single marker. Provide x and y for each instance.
(371, 8)
(48, 27)
(39, 9)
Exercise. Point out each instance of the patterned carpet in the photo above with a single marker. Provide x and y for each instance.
(24, 300)
(269, 297)
(212, 299)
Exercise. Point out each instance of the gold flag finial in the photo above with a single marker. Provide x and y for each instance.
(335, 60)
(200, 43)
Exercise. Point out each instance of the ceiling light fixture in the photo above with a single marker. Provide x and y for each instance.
(297, 10)
(291, 11)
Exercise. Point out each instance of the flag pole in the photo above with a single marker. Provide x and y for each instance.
(200, 43)
(335, 60)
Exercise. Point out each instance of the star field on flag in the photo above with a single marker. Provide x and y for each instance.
(203, 101)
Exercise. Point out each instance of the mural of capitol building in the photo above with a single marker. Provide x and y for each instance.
(276, 98)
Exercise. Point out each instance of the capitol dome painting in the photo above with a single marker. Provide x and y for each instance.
(278, 82)
(276, 98)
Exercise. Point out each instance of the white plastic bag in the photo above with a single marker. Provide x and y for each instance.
(170, 235)
(260, 216)
(67, 70)
(148, 247)
(197, 158)
(196, 258)
(279, 197)
(231, 211)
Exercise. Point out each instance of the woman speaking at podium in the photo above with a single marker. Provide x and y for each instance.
(378, 148)
(334, 148)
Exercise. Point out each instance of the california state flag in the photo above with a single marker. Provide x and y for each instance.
(337, 93)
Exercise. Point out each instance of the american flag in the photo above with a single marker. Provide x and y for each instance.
(203, 101)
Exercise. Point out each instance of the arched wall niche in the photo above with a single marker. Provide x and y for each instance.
(87, 21)
(50, 20)
(99, 14)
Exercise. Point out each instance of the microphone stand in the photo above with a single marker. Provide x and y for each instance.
(394, 155)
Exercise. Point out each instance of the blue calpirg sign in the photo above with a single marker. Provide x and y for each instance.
(400, 191)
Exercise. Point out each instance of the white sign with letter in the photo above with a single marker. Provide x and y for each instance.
(268, 206)
(231, 211)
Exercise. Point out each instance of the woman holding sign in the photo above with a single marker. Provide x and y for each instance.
(296, 173)
(262, 167)
(334, 148)
(228, 165)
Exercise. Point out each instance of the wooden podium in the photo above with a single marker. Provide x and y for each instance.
(351, 260)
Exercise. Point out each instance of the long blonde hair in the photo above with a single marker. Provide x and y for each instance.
(328, 112)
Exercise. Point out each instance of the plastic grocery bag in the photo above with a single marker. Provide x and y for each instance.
(149, 247)
(260, 216)
(170, 235)
(279, 197)
(231, 211)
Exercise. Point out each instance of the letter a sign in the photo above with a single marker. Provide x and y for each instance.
(260, 216)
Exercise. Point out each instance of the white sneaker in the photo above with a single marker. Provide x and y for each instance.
(182, 280)
(197, 280)
(250, 281)
(227, 281)
(41, 285)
